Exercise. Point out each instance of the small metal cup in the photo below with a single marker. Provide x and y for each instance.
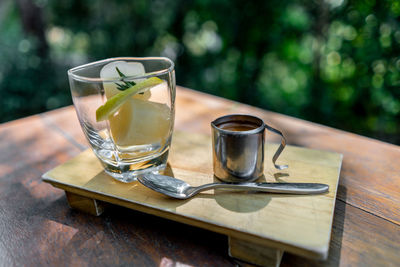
(238, 155)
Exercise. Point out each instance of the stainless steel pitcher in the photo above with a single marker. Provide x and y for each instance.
(238, 155)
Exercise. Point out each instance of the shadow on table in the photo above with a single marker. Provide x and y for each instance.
(244, 201)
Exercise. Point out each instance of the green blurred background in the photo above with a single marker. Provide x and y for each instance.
(334, 62)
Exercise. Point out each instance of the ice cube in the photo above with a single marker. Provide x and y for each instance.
(141, 122)
(109, 71)
(138, 121)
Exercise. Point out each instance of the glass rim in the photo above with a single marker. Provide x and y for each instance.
(119, 79)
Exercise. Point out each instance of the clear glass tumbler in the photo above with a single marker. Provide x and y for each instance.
(126, 109)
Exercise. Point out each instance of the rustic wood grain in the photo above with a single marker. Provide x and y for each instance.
(297, 223)
(368, 167)
(37, 228)
(358, 239)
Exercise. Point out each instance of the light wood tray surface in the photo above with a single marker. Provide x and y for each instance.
(295, 223)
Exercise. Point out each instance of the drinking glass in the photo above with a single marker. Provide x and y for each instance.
(134, 136)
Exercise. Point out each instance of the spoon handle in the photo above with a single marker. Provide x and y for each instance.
(285, 188)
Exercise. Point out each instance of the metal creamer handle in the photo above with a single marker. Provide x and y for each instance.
(280, 148)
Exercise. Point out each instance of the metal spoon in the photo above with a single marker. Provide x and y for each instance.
(176, 188)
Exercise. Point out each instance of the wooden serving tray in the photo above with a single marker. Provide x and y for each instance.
(260, 226)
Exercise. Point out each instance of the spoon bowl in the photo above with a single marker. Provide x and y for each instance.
(176, 188)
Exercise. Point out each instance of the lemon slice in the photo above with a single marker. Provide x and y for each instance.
(114, 103)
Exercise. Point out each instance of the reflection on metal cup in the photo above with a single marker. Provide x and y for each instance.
(238, 147)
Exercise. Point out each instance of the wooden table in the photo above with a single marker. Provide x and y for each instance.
(37, 228)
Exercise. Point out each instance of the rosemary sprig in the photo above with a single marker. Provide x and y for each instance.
(125, 85)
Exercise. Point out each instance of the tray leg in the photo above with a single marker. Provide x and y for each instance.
(254, 253)
(85, 204)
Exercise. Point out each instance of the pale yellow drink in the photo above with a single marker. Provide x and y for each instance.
(141, 120)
